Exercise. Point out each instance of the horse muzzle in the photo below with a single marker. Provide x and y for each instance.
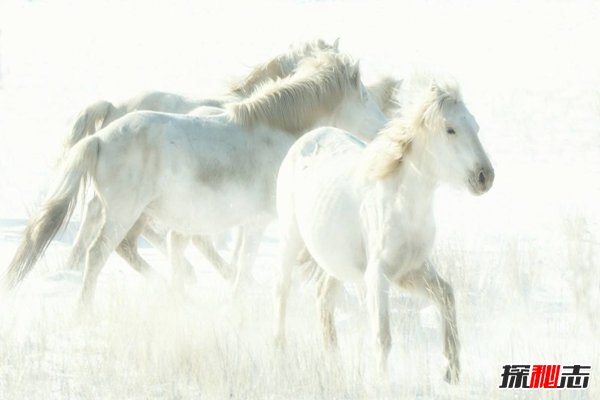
(481, 180)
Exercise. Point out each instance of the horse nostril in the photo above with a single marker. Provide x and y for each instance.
(481, 177)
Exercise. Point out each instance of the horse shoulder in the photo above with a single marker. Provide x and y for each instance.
(325, 142)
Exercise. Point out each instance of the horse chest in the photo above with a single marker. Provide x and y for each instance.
(407, 243)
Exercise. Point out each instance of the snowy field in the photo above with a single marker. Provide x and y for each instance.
(523, 259)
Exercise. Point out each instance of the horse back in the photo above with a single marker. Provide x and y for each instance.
(324, 145)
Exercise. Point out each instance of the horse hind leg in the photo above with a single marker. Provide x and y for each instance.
(90, 224)
(292, 245)
(115, 226)
(208, 250)
(157, 238)
(128, 249)
(427, 282)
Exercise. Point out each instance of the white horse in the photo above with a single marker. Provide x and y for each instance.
(364, 213)
(100, 114)
(198, 174)
(282, 65)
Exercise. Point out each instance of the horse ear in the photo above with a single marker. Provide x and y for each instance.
(336, 44)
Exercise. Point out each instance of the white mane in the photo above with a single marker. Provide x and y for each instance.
(423, 100)
(279, 66)
(295, 102)
(384, 92)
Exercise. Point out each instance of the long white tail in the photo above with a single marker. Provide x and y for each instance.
(86, 123)
(54, 212)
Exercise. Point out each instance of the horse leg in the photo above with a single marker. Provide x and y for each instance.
(292, 245)
(115, 226)
(251, 242)
(177, 244)
(237, 250)
(157, 239)
(327, 290)
(128, 249)
(426, 281)
(208, 250)
(377, 287)
(90, 224)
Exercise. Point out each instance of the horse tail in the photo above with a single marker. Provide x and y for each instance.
(86, 123)
(54, 213)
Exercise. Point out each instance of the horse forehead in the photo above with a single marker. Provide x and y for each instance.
(459, 114)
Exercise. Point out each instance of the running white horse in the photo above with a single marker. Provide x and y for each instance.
(198, 174)
(101, 113)
(364, 213)
(282, 65)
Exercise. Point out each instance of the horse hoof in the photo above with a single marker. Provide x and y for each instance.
(451, 376)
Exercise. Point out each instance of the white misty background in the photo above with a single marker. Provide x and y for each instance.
(523, 258)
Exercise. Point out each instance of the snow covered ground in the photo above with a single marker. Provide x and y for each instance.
(523, 259)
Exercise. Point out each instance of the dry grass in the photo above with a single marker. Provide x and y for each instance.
(143, 342)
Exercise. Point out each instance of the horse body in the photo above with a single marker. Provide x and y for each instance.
(365, 212)
(331, 203)
(182, 170)
(102, 113)
(179, 158)
(323, 205)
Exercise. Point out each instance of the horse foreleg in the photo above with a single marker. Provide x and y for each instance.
(158, 240)
(208, 250)
(176, 245)
(252, 237)
(427, 282)
(377, 287)
(327, 290)
(128, 249)
(90, 224)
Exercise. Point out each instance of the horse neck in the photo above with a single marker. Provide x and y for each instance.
(312, 119)
(416, 181)
(317, 114)
(324, 119)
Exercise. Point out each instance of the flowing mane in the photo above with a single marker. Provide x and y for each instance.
(295, 102)
(279, 66)
(384, 92)
(422, 101)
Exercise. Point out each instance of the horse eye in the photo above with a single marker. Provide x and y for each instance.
(450, 131)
